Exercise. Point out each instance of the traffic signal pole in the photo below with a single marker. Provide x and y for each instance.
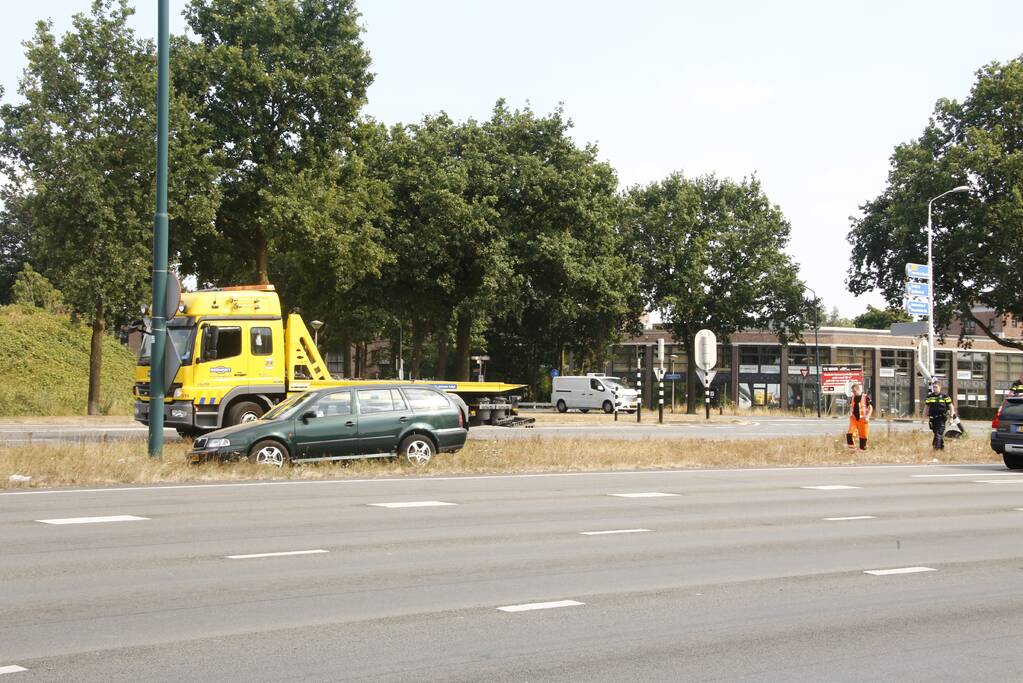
(156, 359)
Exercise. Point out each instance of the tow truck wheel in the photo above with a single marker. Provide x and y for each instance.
(608, 408)
(269, 452)
(562, 407)
(244, 411)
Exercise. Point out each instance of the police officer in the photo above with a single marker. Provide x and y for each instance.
(1017, 387)
(939, 405)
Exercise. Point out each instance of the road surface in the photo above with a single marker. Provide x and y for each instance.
(743, 428)
(694, 575)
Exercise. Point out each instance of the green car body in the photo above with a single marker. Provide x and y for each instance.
(343, 423)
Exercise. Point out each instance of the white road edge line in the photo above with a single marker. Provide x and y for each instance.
(93, 520)
(540, 605)
(412, 504)
(477, 477)
(11, 669)
(831, 487)
(645, 494)
(998, 481)
(900, 570)
(968, 474)
(612, 531)
(281, 554)
(845, 519)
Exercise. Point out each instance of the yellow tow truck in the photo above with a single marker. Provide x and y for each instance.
(240, 356)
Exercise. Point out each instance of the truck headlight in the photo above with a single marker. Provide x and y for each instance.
(218, 443)
(178, 392)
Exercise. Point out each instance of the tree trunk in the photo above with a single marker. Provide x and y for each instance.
(96, 359)
(463, 340)
(692, 381)
(263, 263)
(441, 371)
(417, 348)
(346, 356)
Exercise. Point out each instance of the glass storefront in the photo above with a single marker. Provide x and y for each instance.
(896, 390)
(971, 378)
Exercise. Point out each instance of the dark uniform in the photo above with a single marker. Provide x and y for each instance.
(1017, 387)
(938, 406)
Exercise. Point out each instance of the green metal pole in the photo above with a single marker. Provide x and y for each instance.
(156, 383)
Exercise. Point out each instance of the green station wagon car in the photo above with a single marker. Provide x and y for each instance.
(344, 423)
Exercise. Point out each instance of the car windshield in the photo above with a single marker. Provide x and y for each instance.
(287, 408)
(613, 383)
(181, 335)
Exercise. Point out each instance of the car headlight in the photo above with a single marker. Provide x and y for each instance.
(218, 443)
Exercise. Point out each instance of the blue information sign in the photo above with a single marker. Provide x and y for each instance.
(554, 372)
(914, 307)
(918, 271)
(672, 375)
(918, 289)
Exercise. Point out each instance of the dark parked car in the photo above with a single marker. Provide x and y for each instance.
(344, 423)
(1007, 433)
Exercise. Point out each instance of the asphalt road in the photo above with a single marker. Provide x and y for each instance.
(738, 575)
(746, 428)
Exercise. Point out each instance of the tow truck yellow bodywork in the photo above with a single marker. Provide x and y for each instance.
(240, 356)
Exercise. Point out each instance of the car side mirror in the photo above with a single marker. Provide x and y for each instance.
(307, 415)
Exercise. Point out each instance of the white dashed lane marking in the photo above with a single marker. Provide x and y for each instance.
(830, 487)
(613, 531)
(540, 605)
(93, 520)
(11, 669)
(999, 481)
(644, 494)
(412, 504)
(847, 519)
(286, 553)
(900, 570)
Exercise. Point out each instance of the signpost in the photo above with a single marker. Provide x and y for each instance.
(835, 379)
(917, 307)
(659, 371)
(920, 297)
(706, 348)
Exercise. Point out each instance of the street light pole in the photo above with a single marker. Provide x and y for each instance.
(157, 389)
(817, 346)
(930, 273)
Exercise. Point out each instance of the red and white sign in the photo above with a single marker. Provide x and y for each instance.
(837, 379)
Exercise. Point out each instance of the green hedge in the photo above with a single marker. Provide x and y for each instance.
(977, 413)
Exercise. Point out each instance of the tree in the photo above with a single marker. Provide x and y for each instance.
(80, 150)
(33, 289)
(835, 319)
(280, 85)
(978, 243)
(711, 254)
(881, 318)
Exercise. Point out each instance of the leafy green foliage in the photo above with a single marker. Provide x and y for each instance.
(881, 318)
(711, 255)
(33, 289)
(44, 366)
(978, 243)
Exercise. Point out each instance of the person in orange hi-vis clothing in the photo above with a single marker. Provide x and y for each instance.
(859, 417)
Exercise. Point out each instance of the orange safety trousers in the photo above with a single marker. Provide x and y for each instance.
(861, 427)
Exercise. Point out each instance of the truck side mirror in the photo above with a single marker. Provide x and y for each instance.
(210, 336)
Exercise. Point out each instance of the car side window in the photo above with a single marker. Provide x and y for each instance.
(334, 405)
(425, 399)
(377, 401)
(397, 400)
(596, 385)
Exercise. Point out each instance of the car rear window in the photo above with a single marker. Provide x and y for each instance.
(1012, 411)
(425, 399)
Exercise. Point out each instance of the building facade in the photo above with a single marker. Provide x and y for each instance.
(756, 370)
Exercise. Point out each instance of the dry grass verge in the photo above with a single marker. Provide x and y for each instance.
(125, 462)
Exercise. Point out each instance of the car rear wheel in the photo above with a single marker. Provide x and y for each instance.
(416, 449)
(269, 452)
(608, 408)
(244, 411)
(1013, 462)
(562, 406)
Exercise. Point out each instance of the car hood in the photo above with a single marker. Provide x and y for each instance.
(238, 430)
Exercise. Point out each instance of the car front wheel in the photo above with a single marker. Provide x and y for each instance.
(416, 449)
(269, 452)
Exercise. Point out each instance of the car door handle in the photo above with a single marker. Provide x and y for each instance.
(349, 424)
(403, 418)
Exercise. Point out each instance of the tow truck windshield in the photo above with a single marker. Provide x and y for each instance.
(183, 337)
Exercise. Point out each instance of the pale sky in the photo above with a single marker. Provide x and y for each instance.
(810, 96)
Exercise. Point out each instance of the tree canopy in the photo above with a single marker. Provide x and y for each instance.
(978, 243)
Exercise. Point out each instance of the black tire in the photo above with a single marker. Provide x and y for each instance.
(608, 407)
(416, 449)
(584, 410)
(561, 406)
(243, 411)
(1013, 462)
(269, 452)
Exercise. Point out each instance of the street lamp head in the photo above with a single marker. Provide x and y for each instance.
(961, 188)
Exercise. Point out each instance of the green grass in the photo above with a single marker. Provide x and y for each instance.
(44, 366)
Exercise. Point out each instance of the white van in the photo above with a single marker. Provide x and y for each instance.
(592, 392)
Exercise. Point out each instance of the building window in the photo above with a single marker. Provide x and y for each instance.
(896, 362)
(760, 359)
(942, 364)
